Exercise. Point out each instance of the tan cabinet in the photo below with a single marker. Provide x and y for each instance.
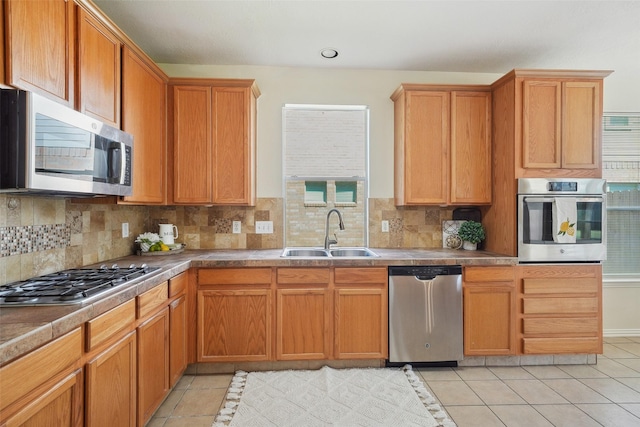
(561, 309)
(489, 297)
(52, 389)
(303, 319)
(40, 47)
(153, 350)
(111, 368)
(99, 69)
(178, 324)
(234, 320)
(144, 114)
(361, 313)
(561, 122)
(442, 145)
(214, 133)
(111, 385)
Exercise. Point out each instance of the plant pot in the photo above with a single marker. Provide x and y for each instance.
(469, 246)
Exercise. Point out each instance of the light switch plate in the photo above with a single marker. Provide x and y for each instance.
(264, 227)
(125, 229)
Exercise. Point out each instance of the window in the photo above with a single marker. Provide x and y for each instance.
(325, 166)
(621, 169)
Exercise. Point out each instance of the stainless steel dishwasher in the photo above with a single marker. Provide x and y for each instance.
(425, 315)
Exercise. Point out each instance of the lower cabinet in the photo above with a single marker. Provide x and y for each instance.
(177, 339)
(303, 320)
(234, 320)
(153, 350)
(489, 295)
(111, 385)
(561, 309)
(361, 313)
(45, 386)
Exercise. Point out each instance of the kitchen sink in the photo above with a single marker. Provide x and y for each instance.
(353, 252)
(304, 252)
(319, 252)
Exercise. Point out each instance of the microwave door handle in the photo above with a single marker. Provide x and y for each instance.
(117, 162)
(551, 199)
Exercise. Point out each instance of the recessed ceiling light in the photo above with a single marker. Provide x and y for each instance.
(329, 53)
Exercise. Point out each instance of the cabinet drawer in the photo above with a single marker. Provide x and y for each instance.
(153, 299)
(576, 325)
(560, 305)
(178, 284)
(234, 276)
(25, 374)
(303, 276)
(108, 324)
(361, 275)
(561, 345)
(489, 274)
(561, 286)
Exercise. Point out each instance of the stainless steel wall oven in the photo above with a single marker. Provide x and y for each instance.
(562, 220)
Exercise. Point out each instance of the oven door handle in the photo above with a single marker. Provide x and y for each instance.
(551, 199)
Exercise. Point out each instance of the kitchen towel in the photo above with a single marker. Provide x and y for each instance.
(564, 217)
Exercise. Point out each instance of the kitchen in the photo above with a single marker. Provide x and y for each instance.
(96, 229)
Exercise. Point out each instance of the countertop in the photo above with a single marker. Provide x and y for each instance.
(23, 329)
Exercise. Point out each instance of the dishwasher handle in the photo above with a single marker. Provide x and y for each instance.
(426, 277)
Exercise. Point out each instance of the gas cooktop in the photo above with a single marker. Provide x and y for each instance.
(70, 287)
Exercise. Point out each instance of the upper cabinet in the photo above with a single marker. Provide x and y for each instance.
(214, 140)
(555, 118)
(144, 112)
(442, 145)
(98, 69)
(40, 47)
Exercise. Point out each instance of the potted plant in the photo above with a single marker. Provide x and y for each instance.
(471, 233)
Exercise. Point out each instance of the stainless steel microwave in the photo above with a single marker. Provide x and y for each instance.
(562, 220)
(48, 148)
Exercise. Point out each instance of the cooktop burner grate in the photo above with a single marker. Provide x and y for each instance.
(73, 286)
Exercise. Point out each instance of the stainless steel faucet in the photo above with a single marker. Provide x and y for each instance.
(328, 242)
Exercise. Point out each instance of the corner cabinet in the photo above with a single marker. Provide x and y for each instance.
(442, 145)
(489, 298)
(234, 320)
(213, 128)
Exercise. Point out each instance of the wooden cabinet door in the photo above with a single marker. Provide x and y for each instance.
(192, 145)
(98, 70)
(111, 385)
(61, 404)
(361, 323)
(303, 324)
(177, 339)
(234, 162)
(144, 104)
(40, 47)
(470, 148)
(426, 148)
(234, 325)
(489, 299)
(581, 124)
(153, 364)
(541, 124)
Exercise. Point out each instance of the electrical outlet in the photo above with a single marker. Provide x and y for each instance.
(237, 227)
(264, 227)
(385, 226)
(125, 229)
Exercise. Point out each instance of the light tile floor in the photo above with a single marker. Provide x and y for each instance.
(605, 394)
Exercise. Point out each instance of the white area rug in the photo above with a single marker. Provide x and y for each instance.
(330, 397)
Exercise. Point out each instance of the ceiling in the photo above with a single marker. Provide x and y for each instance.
(422, 35)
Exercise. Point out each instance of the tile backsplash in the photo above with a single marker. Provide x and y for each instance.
(40, 235)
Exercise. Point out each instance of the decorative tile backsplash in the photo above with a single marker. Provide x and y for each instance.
(32, 238)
